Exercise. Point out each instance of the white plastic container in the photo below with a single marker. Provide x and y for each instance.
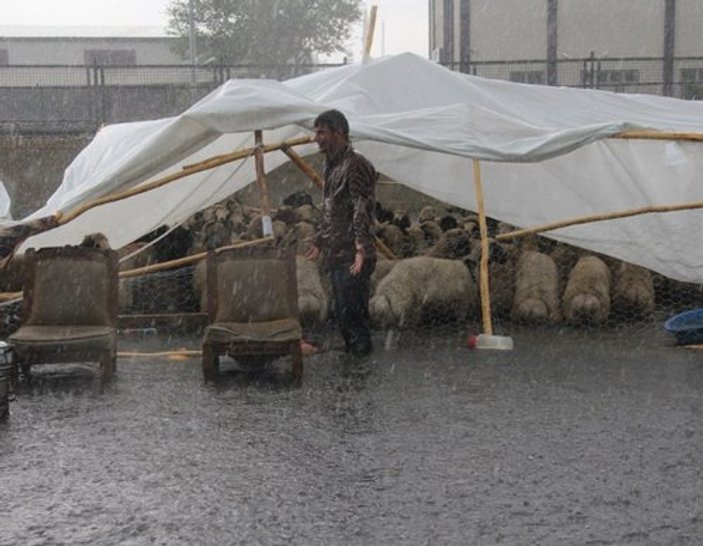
(489, 341)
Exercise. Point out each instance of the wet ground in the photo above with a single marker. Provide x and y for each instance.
(572, 438)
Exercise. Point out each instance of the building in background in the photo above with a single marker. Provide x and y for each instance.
(105, 46)
(639, 45)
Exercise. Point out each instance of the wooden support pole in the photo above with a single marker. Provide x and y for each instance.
(368, 39)
(483, 264)
(647, 134)
(187, 260)
(262, 183)
(599, 218)
(304, 166)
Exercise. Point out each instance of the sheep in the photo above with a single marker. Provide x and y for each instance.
(298, 199)
(633, 291)
(394, 238)
(298, 237)
(313, 300)
(453, 243)
(383, 267)
(536, 289)
(95, 240)
(255, 229)
(586, 298)
(308, 213)
(427, 214)
(421, 285)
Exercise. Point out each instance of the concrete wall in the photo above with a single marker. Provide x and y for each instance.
(31, 167)
(71, 109)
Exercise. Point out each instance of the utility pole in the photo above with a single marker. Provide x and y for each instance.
(669, 47)
(191, 42)
(552, 41)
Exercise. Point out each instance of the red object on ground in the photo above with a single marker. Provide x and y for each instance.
(307, 347)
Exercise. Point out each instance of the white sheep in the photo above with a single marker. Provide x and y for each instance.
(586, 298)
(383, 267)
(536, 298)
(313, 300)
(416, 287)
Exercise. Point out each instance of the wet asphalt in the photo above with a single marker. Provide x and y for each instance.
(574, 437)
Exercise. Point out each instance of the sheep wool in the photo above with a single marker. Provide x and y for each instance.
(586, 297)
(313, 301)
(633, 291)
(423, 286)
(536, 298)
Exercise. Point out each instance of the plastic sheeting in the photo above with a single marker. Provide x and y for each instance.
(545, 150)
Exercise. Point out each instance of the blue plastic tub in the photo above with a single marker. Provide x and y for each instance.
(687, 327)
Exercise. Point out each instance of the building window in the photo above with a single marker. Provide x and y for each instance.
(527, 76)
(612, 79)
(692, 75)
(4, 57)
(111, 57)
(692, 83)
(616, 77)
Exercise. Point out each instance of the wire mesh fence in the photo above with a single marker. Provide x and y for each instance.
(427, 285)
(82, 98)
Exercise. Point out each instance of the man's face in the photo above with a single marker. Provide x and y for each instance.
(329, 142)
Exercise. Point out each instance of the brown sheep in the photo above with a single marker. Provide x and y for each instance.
(633, 291)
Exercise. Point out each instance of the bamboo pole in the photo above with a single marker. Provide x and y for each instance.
(187, 170)
(266, 225)
(648, 134)
(187, 260)
(483, 265)
(178, 354)
(598, 218)
(368, 39)
(304, 166)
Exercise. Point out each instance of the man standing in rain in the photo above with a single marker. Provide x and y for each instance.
(345, 237)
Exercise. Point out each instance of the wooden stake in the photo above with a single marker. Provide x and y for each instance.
(483, 265)
(368, 39)
(266, 225)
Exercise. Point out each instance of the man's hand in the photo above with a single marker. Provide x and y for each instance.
(359, 257)
(312, 252)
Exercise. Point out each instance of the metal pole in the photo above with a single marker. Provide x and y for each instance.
(191, 41)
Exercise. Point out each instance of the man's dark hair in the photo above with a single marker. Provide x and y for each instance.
(334, 120)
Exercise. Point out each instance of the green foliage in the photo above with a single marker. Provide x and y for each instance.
(267, 33)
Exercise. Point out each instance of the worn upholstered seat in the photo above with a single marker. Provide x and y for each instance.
(69, 308)
(252, 308)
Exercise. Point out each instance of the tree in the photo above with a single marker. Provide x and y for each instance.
(272, 34)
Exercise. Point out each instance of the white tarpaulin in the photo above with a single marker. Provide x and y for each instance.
(545, 150)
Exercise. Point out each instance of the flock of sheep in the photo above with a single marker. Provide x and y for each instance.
(434, 277)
